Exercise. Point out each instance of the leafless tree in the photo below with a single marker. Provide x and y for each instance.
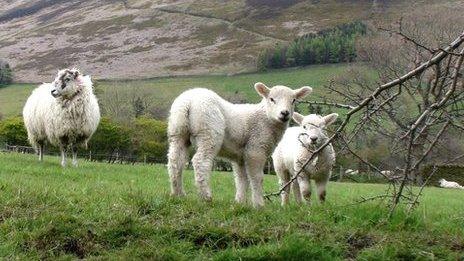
(414, 102)
(124, 103)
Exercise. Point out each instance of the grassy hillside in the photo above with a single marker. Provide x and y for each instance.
(124, 212)
(162, 91)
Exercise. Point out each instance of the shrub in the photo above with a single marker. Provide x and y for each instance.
(149, 139)
(13, 132)
(6, 74)
(110, 137)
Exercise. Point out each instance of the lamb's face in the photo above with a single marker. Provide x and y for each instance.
(280, 100)
(312, 128)
(67, 83)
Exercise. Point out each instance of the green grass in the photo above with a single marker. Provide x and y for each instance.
(124, 212)
(162, 91)
(13, 97)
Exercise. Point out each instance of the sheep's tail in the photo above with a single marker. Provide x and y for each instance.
(178, 123)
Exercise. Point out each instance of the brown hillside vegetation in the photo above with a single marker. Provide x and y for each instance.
(144, 38)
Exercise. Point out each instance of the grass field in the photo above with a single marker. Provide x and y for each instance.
(162, 91)
(101, 211)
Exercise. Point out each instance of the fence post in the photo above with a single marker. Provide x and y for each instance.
(342, 172)
(145, 159)
(90, 155)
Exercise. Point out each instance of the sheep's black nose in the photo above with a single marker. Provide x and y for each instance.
(313, 138)
(285, 113)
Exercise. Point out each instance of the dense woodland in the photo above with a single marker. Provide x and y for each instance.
(332, 45)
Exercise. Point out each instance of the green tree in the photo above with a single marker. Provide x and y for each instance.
(6, 74)
(327, 46)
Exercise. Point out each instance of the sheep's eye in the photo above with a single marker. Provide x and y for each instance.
(272, 100)
(66, 80)
(304, 127)
(294, 100)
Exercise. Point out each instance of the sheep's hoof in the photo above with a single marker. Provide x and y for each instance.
(178, 194)
(240, 200)
(258, 205)
(74, 164)
(207, 198)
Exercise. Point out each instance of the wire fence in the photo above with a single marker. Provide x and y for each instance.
(116, 157)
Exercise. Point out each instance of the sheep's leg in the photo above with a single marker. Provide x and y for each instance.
(74, 155)
(321, 189)
(284, 178)
(296, 191)
(202, 161)
(41, 150)
(63, 157)
(177, 157)
(241, 182)
(305, 188)
(254, 167)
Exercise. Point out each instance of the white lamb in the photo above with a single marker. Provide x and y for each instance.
(449, 184)
(64, 112)
(244, 134)
(295, 148)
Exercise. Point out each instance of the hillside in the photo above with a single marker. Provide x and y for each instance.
(122, 39)
(159, 93)
(102, 211)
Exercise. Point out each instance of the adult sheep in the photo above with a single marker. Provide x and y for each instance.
(296, 148)
(244, 134)
(65, 113)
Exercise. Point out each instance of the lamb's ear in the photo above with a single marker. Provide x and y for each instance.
(298, 118)
(302, 92)
(262, 89)
(76, 73)
(329, 119)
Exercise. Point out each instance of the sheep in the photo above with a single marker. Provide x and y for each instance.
(244, 134)
(386, 172)
(65, 113)
(449, 184)
(296, 148)
(352, 172)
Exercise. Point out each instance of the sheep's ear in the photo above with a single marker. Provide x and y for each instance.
(302, 92)
(75, 72)
(298, 118)
(262, 89)
(329, 119)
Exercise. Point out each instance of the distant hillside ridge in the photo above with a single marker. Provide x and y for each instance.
(133, 39)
